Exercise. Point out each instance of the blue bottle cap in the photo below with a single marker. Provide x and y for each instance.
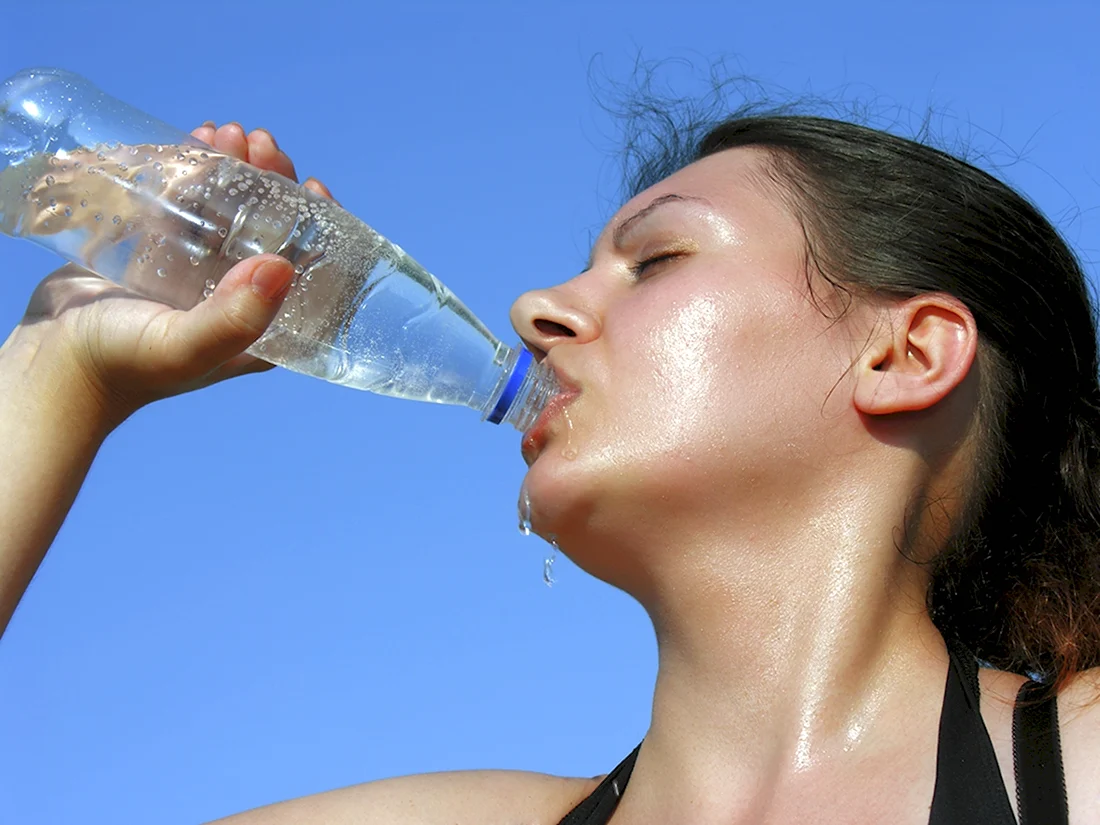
(515, 380)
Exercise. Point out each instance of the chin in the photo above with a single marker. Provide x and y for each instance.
(566, 493)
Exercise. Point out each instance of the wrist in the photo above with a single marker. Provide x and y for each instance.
(41, 377)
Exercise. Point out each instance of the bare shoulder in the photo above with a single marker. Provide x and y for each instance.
(1079, 723)
(457, 798)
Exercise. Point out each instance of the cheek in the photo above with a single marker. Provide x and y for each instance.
(722, 375)
(684, 361)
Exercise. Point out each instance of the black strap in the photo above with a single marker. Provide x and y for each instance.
(597, 807)
(1037, 757)
(969, 788)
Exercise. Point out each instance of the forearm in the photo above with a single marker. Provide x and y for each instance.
(50, 430)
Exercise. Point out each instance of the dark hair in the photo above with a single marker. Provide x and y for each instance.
(1019, 581)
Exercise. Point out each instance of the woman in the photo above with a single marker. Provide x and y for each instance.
(832, 419)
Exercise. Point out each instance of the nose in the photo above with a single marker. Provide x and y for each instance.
(545, 318)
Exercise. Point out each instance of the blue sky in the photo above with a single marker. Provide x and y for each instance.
(279, 586)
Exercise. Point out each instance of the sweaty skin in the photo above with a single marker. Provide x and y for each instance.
(735, 458)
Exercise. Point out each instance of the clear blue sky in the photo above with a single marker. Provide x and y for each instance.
(278, 586)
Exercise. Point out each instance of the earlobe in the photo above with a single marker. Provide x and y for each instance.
(918, 358)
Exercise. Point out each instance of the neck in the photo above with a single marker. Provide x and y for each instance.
(783, 652)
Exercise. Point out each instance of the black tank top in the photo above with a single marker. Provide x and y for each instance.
(969, 789)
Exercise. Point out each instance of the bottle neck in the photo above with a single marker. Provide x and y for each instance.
(524, 393)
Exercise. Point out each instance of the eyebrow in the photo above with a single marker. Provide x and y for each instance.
(624, 228)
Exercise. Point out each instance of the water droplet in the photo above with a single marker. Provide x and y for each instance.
(210, 283)
(194, 259)
(160, 148)
(49, 180)
(83, 201)
(206, 293)
(569, 452)
(548, 564)
(148, 158)
(133, 150)
(158, 166)
(299, 269)
(68, 211)
(233, 191)
(222, 231)
(98, 216)
(116, 220)
(525, 511)
(168, 257)
(53, 201)
(122, 167)
(203, 155)
(159, 240)
(193, 162)
(129, 226)
(162, 273)
(101, 155)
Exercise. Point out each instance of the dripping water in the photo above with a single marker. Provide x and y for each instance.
(525, 511)
(548, 563)
(525, 528)
(569, 452)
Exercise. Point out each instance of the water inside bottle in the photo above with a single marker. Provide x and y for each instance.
(169, 221)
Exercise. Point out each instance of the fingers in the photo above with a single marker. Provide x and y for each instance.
(265, 153)
(314, 185)
(220, 328)
(258, 147)
(205, 133)
(230, 140)
(243, 364)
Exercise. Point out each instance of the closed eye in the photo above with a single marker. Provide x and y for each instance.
(647, 267)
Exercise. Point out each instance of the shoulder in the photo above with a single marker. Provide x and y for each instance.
(456, 798)
(1079, 725)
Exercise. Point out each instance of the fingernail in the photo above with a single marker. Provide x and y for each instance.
(210, 123)
(271, 279)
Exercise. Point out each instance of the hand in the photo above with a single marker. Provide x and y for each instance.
(124, 351)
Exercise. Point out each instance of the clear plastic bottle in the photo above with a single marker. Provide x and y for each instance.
(152, 208)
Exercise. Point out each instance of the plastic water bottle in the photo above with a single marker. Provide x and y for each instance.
(156, 210)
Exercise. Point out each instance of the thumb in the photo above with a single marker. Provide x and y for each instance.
(242, 306)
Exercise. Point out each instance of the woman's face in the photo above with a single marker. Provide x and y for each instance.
(700, 376)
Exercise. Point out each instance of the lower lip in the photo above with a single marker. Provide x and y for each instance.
(535, 438)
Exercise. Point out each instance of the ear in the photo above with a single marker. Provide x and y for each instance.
(917, 357)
